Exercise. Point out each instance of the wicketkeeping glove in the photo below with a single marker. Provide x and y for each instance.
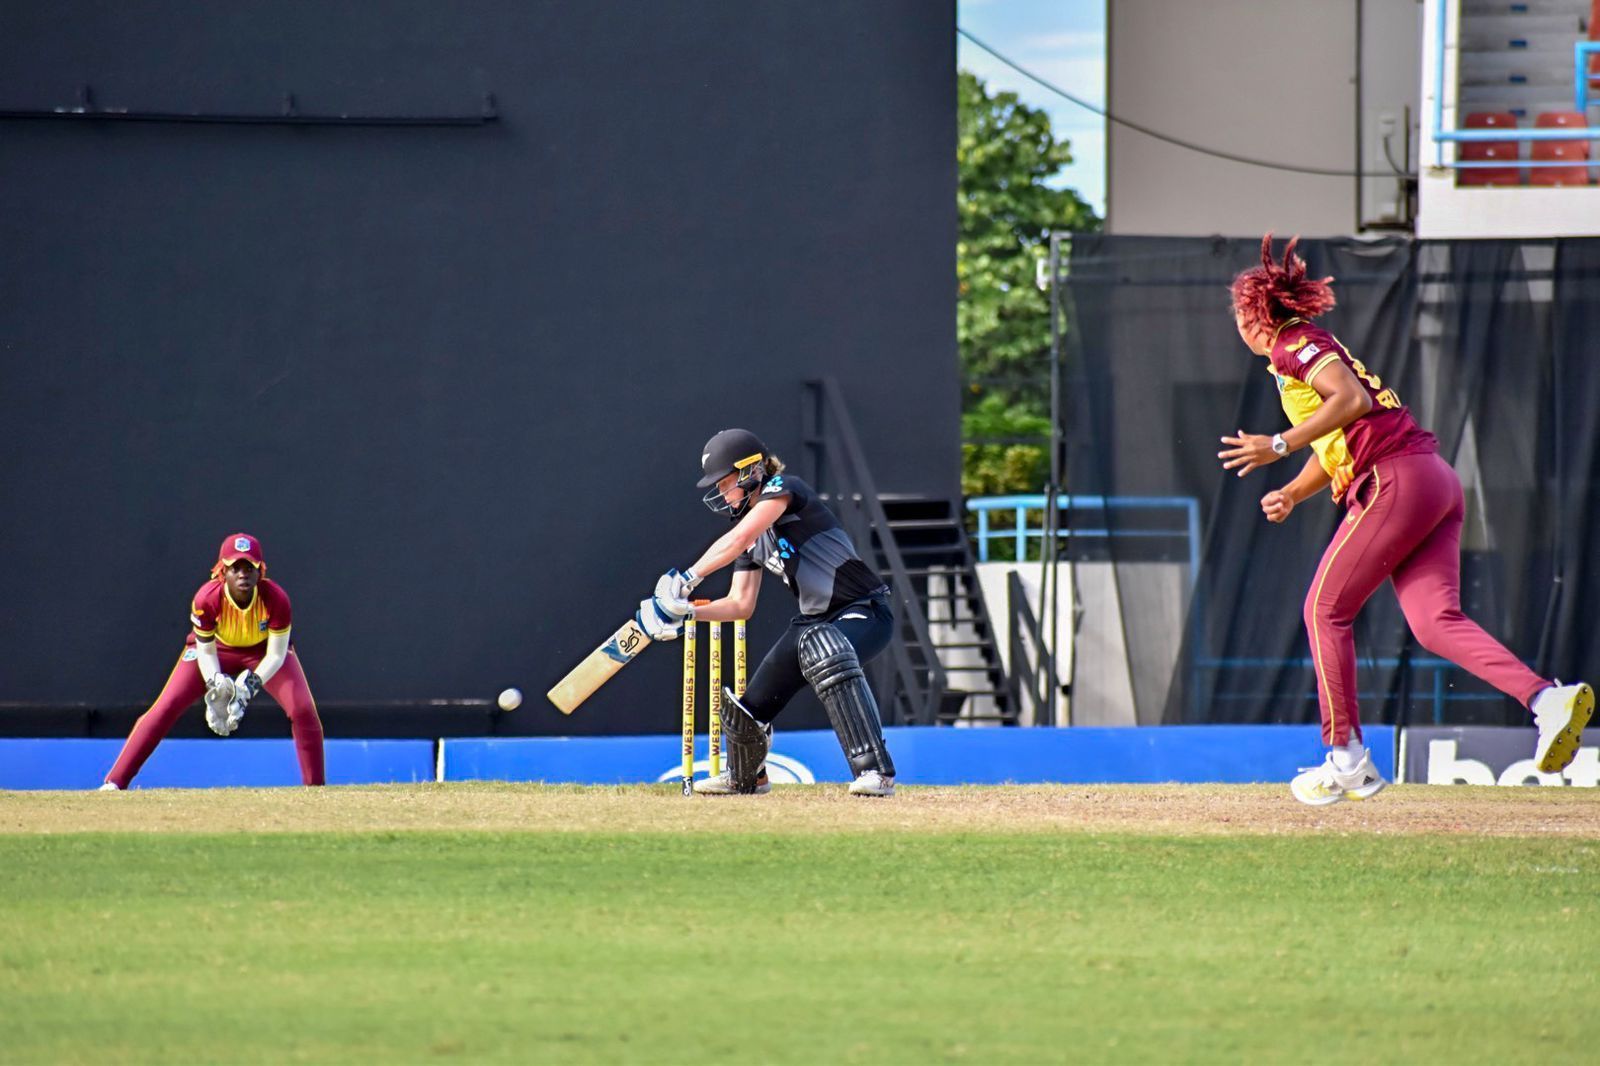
(220, 693)
(245, 688)
(247, 685)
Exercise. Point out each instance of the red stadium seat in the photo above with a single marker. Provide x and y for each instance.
(1594, 35)
(1553, 151)
(1478, 151)
(1549, 120)
(1488, 120)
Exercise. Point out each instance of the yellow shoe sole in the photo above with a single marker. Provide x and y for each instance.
(1564, 748)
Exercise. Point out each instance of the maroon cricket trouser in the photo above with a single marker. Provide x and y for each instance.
(1405, 526)
(184, 687)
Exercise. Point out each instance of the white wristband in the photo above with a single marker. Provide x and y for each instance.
(205, 657)
(277, 652)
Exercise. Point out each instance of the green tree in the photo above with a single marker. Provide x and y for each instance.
(1005, 154)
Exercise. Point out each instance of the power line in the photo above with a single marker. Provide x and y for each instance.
(1178, 141)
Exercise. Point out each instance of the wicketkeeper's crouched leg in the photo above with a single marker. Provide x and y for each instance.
(288, 686)
(182, 689)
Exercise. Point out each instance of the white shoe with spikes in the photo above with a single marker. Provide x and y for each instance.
(1323, 784)
(872, 783)
(1561, 712)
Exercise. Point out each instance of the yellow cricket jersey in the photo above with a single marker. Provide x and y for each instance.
(215, 615)
(1300, 401)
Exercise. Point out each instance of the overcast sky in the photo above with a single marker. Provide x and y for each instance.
(1062, 41)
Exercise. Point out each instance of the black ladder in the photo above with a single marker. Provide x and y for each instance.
(943, 571)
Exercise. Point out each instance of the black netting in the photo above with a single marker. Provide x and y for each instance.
(1490, 343)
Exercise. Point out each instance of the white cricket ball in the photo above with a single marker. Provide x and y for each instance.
(510, 699)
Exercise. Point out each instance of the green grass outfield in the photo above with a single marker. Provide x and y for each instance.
(789, 938)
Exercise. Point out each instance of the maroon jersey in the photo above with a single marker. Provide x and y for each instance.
(1301, 351)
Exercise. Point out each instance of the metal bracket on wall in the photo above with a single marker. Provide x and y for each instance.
(288, 114)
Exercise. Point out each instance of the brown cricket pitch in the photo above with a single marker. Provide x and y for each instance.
(799, 809)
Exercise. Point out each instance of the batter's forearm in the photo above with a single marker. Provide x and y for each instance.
(723, 551)
(726, 609)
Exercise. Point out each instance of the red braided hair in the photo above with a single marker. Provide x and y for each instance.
(1272, 292)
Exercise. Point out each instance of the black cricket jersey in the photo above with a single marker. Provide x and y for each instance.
(808, 549)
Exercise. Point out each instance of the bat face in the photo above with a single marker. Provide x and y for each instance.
(600, 666)
(626, 642)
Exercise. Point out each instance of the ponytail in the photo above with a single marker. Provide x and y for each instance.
(1272, 292)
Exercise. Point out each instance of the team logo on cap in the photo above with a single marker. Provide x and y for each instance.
(241, 544)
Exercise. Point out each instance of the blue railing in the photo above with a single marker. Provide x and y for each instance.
(1027, 539)
(1439, 693)
(1581, 51)
(1581, 78)
(1026, 536)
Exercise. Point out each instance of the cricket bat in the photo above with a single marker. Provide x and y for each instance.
(601, 665)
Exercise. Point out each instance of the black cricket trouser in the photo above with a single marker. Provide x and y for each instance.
(868, 624)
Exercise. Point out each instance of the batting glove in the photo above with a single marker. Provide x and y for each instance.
(658, 624)
(676, 587)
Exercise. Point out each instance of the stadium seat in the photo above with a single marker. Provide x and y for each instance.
(1477, 151)
(1594, 35)
(1554, 151)
(1488, 120)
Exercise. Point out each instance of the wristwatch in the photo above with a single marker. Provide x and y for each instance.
(1280, 447)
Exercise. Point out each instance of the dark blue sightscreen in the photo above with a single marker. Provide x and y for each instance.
(456, 379)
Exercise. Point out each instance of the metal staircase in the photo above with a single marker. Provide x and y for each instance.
(943, 572)
(921, 550)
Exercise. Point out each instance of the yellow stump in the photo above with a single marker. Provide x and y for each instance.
(714, 727)
(688, 707)
(738, 658)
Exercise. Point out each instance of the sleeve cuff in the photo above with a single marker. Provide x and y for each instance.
(1317, 367)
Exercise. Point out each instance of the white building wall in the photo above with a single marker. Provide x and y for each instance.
(1272, 81)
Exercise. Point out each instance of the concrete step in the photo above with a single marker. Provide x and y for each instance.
(1515, 42)
(1516, 69)
(1475, 9)
(1525, 101)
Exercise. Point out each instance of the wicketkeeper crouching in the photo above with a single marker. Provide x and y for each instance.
(239, 645)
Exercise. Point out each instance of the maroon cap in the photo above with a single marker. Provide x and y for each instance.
(238, 546)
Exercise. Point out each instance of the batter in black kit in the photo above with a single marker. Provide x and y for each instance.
(781, 527)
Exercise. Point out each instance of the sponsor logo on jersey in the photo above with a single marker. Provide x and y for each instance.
(773, 487)
(190, 655)
(1306, 355)
(261, 626)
